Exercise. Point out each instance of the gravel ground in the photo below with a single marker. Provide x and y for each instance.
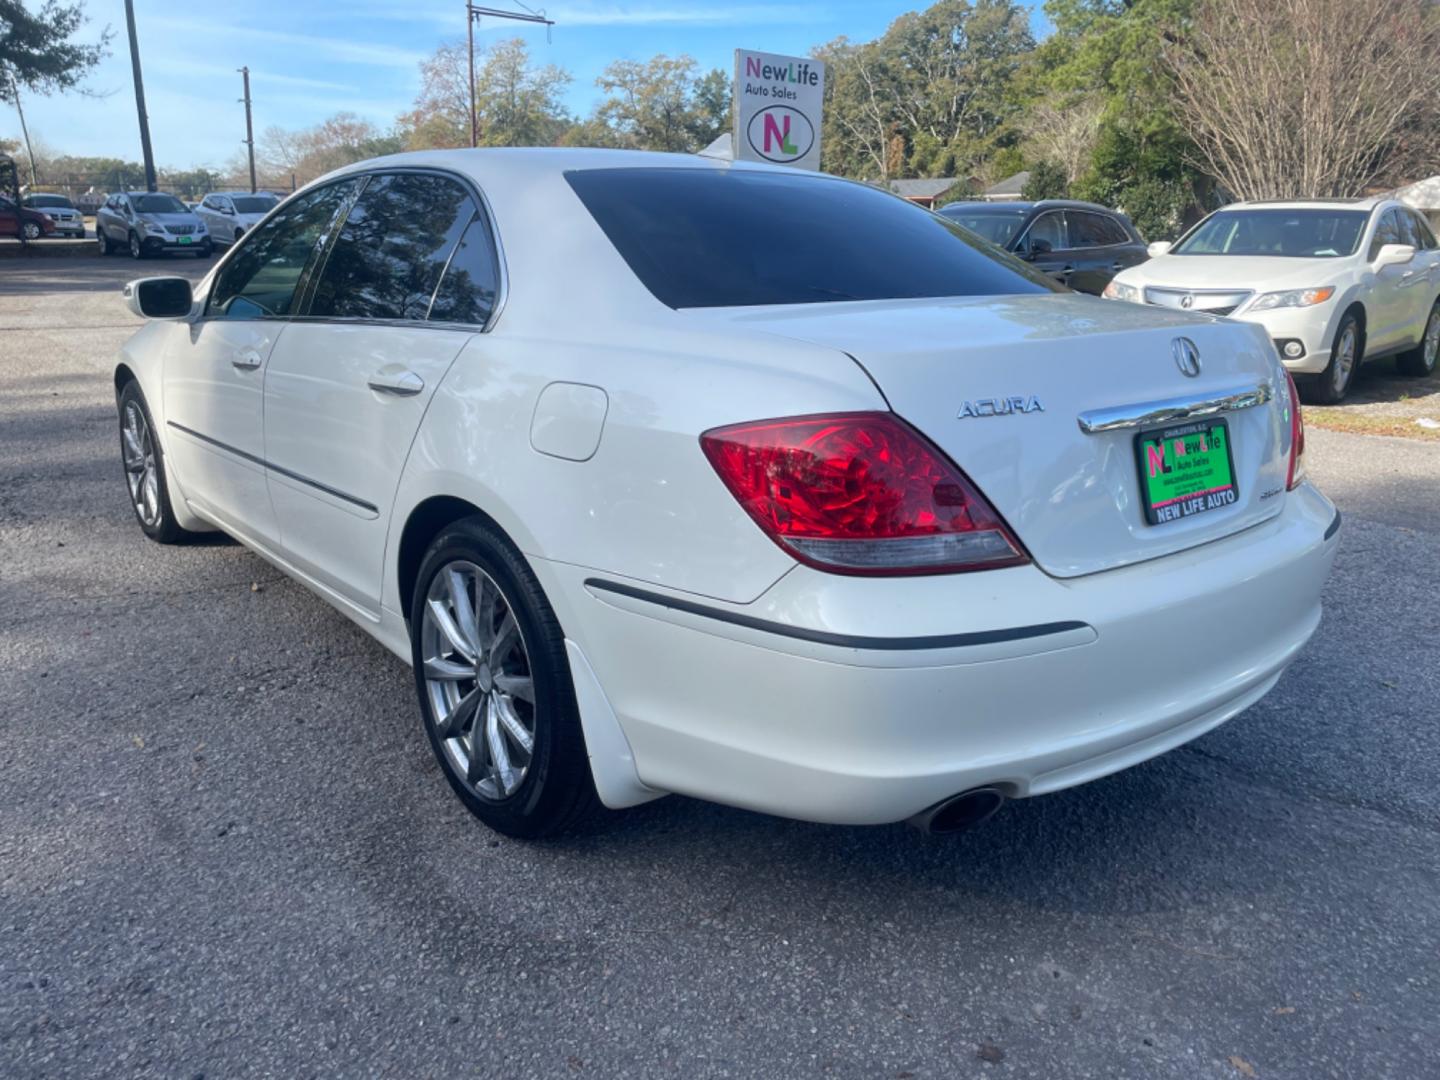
(225, 849)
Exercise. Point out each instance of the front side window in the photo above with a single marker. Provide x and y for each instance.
(998, 228)
(1387, 232)
(260, 279)
(1298, 234)
(392, 249)
(1048, 229)
(733, 237)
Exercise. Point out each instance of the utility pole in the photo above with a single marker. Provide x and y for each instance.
(473, 15)
(249, 130)
(24, 131)
(140, 98)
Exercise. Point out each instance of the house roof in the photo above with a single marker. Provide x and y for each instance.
(923, 189)
(1011, 185)
(1423, 194)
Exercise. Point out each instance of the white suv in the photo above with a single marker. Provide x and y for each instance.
(1334, 282)
(230, 214)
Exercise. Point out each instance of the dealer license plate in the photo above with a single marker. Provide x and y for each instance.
(184, 239)
(1185, 470)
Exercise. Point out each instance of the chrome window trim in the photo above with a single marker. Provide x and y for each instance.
(502, 276)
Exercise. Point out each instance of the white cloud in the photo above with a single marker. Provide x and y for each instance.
(336, 49)
(588, 15)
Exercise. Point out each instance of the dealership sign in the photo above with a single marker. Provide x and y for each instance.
(777, 108)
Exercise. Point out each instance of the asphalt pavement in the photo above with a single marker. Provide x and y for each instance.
(225, 849)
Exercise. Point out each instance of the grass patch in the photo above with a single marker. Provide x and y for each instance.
(1334, 418)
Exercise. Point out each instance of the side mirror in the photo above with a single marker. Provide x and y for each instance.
(159, 297)
(1158, 248)
(1394, 255)
(1040, 247)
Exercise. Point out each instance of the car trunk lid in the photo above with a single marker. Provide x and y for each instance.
(1001, 385)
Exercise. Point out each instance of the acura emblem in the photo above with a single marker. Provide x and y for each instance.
(1187, 356)
(1187, 301)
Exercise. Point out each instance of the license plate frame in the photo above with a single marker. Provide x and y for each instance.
(1210, 488)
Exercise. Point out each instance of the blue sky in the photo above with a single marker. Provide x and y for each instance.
(311, 59)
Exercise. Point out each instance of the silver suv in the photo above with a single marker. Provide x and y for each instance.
(148, 223)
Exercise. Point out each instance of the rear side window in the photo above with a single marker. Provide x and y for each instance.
(704, 237)
(259, 280)
(1417, 231)
(1048, 228)
(466, 293)
(1094, 230)
(393, 247)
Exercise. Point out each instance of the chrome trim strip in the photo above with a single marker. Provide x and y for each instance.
(371, 507)
(825, 637)
(1150, 413)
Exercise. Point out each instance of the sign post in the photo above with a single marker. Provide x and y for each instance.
(777, 108)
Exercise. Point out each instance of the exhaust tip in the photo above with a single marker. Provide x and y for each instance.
(960, 812)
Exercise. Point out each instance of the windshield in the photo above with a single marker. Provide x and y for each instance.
(999, 229)
(158, 204)
(49, 200)
(1296, 234)
(737, 237)
(254, 204)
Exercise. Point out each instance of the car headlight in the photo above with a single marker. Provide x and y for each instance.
(1292, 298)
(200, 227)
(1118, 290)
(150, 226)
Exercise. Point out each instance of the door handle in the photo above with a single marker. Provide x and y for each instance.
(399, 383)
(246, 360)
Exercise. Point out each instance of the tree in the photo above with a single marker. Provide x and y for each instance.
(932, 93)
(661, 105)
(1047, 181)
(516, 103)
(1308, 97)
(342, 139)
(1065, 133)
(37, 50)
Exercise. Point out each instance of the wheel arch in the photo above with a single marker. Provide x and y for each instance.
(425, 521)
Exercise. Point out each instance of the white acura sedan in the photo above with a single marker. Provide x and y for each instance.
(667, 474)
(1333, 282)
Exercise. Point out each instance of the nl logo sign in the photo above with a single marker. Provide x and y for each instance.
(777, 108)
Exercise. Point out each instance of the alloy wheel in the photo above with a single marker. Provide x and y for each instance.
(1344, 359)
(138, 454)
(478, 680)
(32, 231)
(134, 246)
(1431, 344)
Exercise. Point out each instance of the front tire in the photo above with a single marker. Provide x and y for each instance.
(31, 230)
(144, 464)
(102, 240)
(1420, 361)
(494, 685)
(137, 249)
(1347, 353)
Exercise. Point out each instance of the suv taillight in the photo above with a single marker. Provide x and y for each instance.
(860, 493)
(1297, 436)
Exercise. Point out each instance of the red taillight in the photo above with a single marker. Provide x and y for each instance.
(1297, 436)
(860, 493)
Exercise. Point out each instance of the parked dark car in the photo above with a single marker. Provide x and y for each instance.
(15, 220)
(1080, 244)
(147, 223)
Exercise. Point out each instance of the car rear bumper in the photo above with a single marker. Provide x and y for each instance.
(855, 700)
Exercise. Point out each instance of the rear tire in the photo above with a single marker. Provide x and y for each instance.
(1420, 361)
(492, 675)
(1347, 353)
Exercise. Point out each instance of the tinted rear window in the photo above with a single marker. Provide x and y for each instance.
(254, 204)
(735, 237)
(997, 228)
